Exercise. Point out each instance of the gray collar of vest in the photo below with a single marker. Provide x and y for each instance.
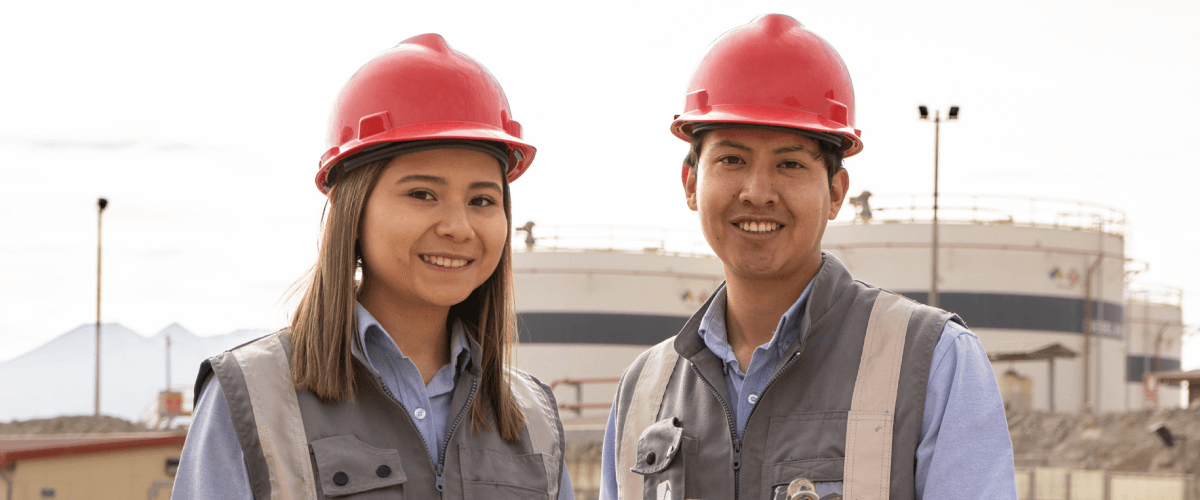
(831, 278)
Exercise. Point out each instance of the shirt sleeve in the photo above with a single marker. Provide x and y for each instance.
(211, 465)
(608, 459)
(565, 491)
(965, 450)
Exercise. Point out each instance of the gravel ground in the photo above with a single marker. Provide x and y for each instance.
(70, 425)
(1112, 441)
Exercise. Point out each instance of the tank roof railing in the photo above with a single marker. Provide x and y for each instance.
(612, 238)
(1163, 295)
(987, 210)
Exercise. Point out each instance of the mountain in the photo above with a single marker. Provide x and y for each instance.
(58, 378)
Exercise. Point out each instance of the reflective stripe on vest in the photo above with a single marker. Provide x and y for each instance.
(545, 429)
(867, 471)
(643, 411)
(264, 365)
(868, 467)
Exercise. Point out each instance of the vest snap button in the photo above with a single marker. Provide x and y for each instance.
(650, 458)
(383, 471)
(340, 478)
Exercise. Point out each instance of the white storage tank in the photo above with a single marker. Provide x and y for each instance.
(1032, 278)
(589, 300)
(1154, 343)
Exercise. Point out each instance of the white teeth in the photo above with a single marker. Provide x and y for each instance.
(758, 227)
(445, 261)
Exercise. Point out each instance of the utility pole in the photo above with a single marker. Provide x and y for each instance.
(937, 123)
(102, 203)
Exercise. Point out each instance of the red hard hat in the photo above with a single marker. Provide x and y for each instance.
(421, 89)
(773, 72)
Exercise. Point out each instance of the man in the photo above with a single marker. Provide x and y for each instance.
(794, 377)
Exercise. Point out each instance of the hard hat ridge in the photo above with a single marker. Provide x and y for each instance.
(421, 89)
(772, 71)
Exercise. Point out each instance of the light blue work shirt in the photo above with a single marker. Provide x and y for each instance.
(962, 453)
(212, 465)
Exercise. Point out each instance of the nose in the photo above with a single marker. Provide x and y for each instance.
(758, 188)
(456, 225)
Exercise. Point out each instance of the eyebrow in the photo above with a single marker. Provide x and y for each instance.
(425, 178)
(486, 185)
(441, 181)
(778, 151)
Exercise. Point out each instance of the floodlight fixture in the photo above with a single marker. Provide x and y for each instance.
(924, 112)
(953, 113)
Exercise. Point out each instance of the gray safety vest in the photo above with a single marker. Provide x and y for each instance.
(845, 404)
(299, 447)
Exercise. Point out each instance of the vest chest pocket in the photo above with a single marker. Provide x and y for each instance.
(805, 445)
(347, 466)
(494, 475)
(661, 460)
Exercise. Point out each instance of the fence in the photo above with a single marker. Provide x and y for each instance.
(1054, 483)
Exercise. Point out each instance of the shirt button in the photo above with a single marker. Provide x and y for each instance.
(419, 413)
(753, 398)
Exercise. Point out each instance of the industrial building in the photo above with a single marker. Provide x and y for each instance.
(115, 465)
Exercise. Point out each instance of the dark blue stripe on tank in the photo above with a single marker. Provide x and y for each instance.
(979, 310)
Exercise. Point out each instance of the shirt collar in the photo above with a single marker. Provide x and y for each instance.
(368, 327)
(715, 335)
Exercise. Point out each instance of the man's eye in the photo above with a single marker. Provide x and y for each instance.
(422, 194)
(791, 164)
(483, 201)
(731, 159)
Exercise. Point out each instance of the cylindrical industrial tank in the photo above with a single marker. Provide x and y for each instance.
(590, 302)
(1032, 278)
(1154, 343)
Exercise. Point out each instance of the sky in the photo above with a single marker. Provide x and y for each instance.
(202, 125)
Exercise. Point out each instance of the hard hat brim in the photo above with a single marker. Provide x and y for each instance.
(521, 152)
(763, 115)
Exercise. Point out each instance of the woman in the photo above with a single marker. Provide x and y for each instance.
(396, 385)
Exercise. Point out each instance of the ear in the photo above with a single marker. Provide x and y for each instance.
(689, 185)
(837, 192)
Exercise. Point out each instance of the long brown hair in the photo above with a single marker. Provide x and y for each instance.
(325, 322)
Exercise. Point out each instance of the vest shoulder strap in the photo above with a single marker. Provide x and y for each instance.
(268, 385)
(870, 423)
(542, 422)
(642, 412)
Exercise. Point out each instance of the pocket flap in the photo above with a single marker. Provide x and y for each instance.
(346, 465)
(657, 446)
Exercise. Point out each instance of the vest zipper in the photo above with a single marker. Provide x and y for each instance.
(737, 442)
(396, 400)
(775, 377)
(441, 483)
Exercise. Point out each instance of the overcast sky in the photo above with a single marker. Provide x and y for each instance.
(203, 123)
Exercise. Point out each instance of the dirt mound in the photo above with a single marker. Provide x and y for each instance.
(1112, 441)
(70, 425)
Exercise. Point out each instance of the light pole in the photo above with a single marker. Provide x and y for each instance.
(937, 122)
(102, 203)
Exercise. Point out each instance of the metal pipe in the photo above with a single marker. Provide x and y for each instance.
(933, 290)
(102, 203)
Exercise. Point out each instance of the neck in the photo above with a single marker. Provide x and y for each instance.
(753, 308)
(419, 332)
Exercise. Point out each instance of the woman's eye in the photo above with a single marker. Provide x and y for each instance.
(483, 201)
(422, 194)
